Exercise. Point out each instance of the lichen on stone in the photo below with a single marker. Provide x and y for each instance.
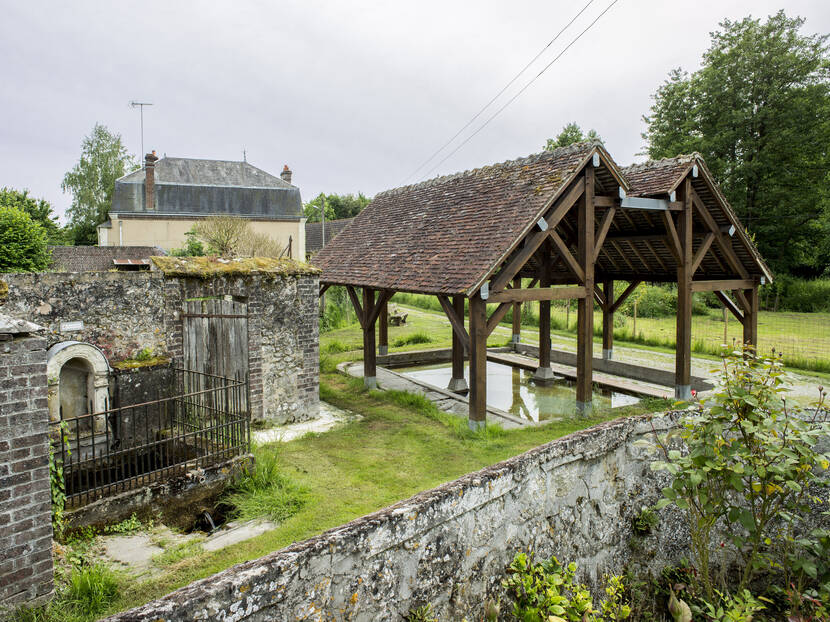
(136, 363)
(4, 291)
(205, 267)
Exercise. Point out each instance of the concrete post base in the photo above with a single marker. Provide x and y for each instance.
(683, 391)
(515, 338)
(544, 374)
(458, 385)
(370, 382)
(584, 409)
(608, 355)
(383, 350)
(476, 425)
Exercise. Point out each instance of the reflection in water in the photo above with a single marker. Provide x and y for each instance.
(513, 390)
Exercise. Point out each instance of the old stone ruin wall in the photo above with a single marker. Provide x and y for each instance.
(25, 498)
(130, 314)
(576, 498)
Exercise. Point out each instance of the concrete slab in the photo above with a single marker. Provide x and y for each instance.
(330, 417)
(134, 552)
(234, 533)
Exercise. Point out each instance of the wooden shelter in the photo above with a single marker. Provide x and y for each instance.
(562, 224)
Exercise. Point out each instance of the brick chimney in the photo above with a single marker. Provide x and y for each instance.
(150, 181)
(286, 174)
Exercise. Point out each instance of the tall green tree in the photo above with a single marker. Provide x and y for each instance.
(569, 135)
(22, 242)
(337, 206)
(39, 210)
(104, 158)
(758, 110)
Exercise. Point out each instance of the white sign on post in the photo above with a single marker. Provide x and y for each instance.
(68, 327)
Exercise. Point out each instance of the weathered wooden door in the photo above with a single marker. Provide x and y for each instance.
(215, 337)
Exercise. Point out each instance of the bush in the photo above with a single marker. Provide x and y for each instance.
(22, 242)
(751, 463)
(798, 295)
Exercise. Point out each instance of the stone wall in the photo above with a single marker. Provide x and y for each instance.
(122, 312)
(125, 313)
(25, 498)
(576, 498)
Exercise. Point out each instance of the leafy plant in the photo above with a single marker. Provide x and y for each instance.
(645, 521)
(57, 485)
(126, 526)
(549, 591)
(421, 614)
(750, 460)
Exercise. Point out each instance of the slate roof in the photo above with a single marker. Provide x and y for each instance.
(658, 176)
(445, 235)
(193, 187)
(314, 233)
(98, 258)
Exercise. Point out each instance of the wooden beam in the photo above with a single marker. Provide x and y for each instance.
(607, 320)
(599, 295)
(626, 293)
(723, 284)
(601, 201)
(656, 256)
(725, 245)
(358, 309)
(742, 300)
(683, 335)
(560, 208)
(674, 241)
(383, 329)
(497, 316)
(751, 317)
(323, 288)
(517, 314)
(731, 306)
(456, 322)
(369, 353)
(537, 294)
(565, 253)
(384, 297)
(478, 363)
(639, 255)
(701, 251)
(585, 306)
(623, 255)
(457, 381)
(604, 226)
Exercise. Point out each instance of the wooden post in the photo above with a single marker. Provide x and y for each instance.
(517, 316)
(585, 305)
(751, 317)
(369, 360)
(478, 363)
(457, 382)
(683, 336)
(608, 321)
(383, 330)
(544, 373)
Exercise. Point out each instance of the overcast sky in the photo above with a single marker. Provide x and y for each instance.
(353, 96)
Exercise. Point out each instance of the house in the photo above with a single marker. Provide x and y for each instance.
(314, 234)
(159, 204)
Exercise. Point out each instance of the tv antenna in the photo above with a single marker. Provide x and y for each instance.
(140, 106)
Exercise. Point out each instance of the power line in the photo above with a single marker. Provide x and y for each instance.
(522, 90)
(499, 94)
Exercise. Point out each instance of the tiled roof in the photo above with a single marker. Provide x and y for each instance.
(314, 233)
(444, 235)
(97, 258)
(658, 176)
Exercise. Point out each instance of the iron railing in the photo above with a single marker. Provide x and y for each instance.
(104, 453)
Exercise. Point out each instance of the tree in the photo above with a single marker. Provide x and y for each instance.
(91, 181)
(230, 236)
(758, 110)
(39, 210)
(337, 206)
(22, 242)
(569, 135)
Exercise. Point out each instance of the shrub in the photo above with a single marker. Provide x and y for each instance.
(751, 462)
(22, 242)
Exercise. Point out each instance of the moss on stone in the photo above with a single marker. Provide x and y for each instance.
(4, 291)
(205, 267)
(137, 363)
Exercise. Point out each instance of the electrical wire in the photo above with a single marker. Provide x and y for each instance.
(522, 90)
(497, 95)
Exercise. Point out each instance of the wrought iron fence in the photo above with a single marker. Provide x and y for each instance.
(205, 423)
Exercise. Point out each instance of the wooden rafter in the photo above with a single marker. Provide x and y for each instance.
(639, 255)
(560, 208)
(566, 254)
(724, 245)
(626, 293)
(323, 288)
(497, 316)
(674, 240)
(622, 254)
(729, 304)
(384, 297)
(604, 226)
(456, 322)
(701, 251)
(358, 308)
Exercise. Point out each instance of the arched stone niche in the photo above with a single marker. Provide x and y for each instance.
(78, 377)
